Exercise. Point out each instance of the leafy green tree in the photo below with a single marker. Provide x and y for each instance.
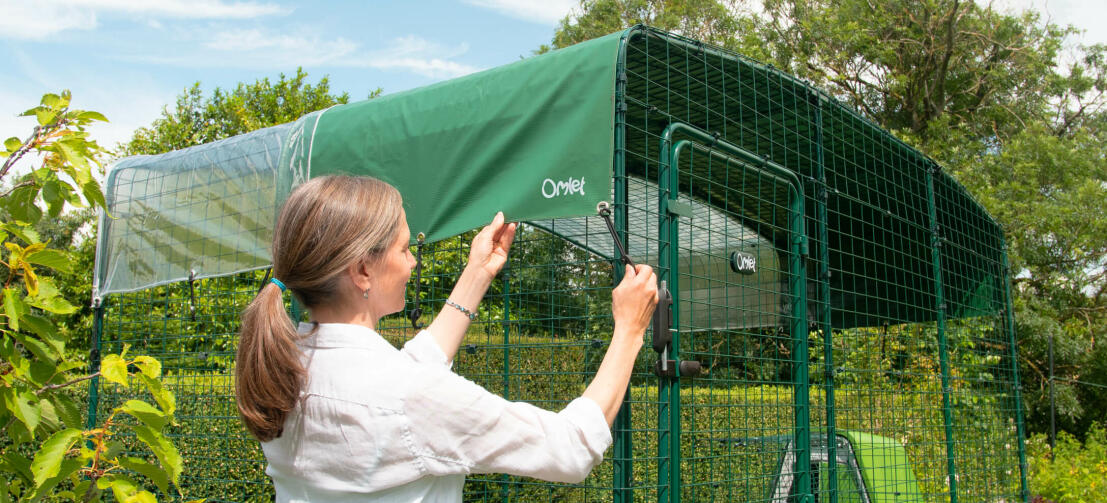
(45, 445)
(987, 95)
(198, 119)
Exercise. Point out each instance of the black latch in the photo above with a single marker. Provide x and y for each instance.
(688, 368)
(662, 318)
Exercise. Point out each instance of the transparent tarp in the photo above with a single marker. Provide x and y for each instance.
(199, 212)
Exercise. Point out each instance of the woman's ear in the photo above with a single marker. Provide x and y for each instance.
(360, 275)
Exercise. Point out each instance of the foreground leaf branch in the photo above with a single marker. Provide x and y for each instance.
(46, 449)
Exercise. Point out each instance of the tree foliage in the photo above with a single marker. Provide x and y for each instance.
(45, 445)
(992, 96)
(198, 119)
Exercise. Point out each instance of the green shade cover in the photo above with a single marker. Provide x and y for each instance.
(533, 139)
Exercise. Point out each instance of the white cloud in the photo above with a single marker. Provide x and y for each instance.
(417, 55)
(38, 21)
(1083, 14)
(266, 50)
(547, 12)
(182, 9)
(281, 48)
(41, 19)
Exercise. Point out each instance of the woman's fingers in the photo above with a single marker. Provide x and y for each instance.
(506, 236)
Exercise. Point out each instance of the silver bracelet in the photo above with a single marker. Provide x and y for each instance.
(472, 316)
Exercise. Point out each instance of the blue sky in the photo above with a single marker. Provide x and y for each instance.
(128, 59)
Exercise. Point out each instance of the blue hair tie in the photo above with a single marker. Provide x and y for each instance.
(277, 282)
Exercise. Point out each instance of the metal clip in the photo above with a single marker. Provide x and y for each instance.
(416, 312)
(604, 211)
(191, 294)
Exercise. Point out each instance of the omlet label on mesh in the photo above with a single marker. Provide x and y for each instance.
(551, 188)
(743, 263)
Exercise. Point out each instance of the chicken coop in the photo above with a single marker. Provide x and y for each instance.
(839, 326)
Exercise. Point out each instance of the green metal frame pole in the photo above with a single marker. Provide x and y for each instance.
(1009, 320)
(506, 326)
(624, 452)
(800, 335)
(824, 303)
(940, 311)
(94, 361)
(669, 388)
(667, 437)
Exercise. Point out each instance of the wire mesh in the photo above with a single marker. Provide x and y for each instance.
(859, 350)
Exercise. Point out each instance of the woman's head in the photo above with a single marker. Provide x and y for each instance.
(331, 224)
(338, 239)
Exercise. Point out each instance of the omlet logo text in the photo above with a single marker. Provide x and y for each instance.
(571, 186)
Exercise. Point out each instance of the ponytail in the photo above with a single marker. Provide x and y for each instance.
(268, 371)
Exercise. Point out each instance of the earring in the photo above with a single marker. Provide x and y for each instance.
(365, 295)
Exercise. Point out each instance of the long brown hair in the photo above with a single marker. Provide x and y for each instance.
(326, 225)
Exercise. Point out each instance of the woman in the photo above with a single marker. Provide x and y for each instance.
(344, 416)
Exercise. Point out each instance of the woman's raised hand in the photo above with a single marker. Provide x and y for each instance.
(633, 301)
(488, 253)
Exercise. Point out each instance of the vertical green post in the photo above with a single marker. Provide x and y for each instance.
(672, 241)
(94, 361)
(801, 384)
(1009, 321)
(666, 490)
(506, 325)
(624, 453)
(940, 316)
(821, 197)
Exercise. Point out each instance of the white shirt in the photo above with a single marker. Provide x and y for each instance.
(379, 424)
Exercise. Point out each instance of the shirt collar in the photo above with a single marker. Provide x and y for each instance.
(340, 335)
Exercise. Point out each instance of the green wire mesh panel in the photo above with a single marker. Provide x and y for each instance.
(543, 328)
(192, 328)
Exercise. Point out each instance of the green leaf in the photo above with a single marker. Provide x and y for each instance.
(14, 462)
(144, 412)
(23, 232)
(48, 416)
(52, 101)
(149, 366)
(49, 299)
(49, 458)
(68, 467)
(166, 453)
(40, 349)
(122, 487)
(41, 371)
(67, 410)
(150, 471)
(114, 369)
(58, 260)
(93, 194)
(13, 307)
(113, 450)
(13, 144)
(45, 329)
(164, 397)
(91, 116)
(21, 205)
(25, 407)
(45, 116)
(141, 497)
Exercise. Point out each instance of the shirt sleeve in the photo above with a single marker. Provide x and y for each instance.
(423, 349)
(459, 427)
